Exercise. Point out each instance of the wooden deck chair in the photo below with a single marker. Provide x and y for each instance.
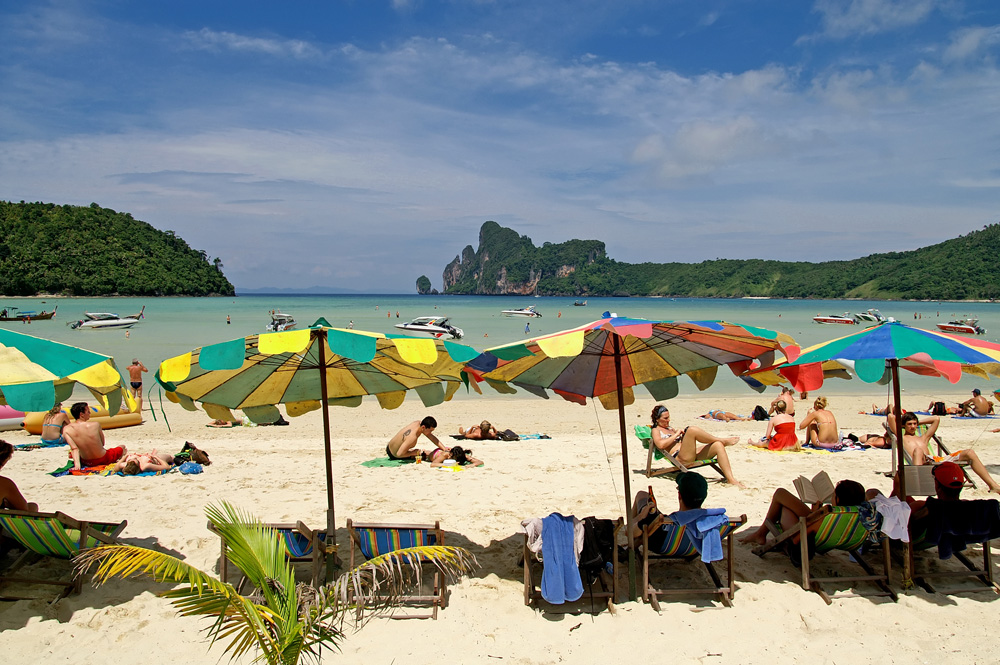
(919, 543)
(942, 451)
(676, 466)
(55, 535)
(608, 581)
(835, 528)
(374, 539)
(302, 545)
(678, 547)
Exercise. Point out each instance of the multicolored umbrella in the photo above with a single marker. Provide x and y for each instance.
(878, 352)
(607, 358)
(311, 369)
(36, 373)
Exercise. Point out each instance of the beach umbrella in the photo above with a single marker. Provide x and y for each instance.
(312, 369)
(37, 373)
(607, 358)
(877, 353)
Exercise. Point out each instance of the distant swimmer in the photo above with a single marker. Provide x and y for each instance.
(228, 321)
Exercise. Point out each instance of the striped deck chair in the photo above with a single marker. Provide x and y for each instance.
(54, 535)
(375, 539)
(302, 545)
(676, 466)
(825, 530)
(678, 547)
(942, 451)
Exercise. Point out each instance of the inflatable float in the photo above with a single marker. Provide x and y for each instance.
(10, 418)
(32, 422)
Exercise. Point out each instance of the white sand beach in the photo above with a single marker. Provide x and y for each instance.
(278, 474)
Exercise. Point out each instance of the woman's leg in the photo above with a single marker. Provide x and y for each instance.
(785, 509)
(696, 434)
(718, 451)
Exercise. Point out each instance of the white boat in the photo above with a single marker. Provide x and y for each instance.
(846, 319)
(524, 311)
(870, 316)
(280, 322)
(965, 326)
(435, 326)
(107, 320)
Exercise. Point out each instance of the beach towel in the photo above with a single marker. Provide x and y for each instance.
(520, 436)
(40, 444)
(560, 575)
(385, 461)
(702, 527)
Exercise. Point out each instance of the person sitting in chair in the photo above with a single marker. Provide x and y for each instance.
(786, 509)
(10, 496)
(683, 444)
(917, 446)
(692, 490)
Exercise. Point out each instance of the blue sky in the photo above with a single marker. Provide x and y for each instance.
(360, 144)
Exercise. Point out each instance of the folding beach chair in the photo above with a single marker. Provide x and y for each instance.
(678, 547)
(607, 582)
(302, 545)
(374, 539)
(54, 535)
(942, 451)
(676, 466)
(919, 542)
(836, 528)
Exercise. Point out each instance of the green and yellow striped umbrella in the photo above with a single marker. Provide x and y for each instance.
(36, 373)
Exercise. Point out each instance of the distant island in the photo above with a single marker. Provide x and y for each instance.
(93, 251)
(964, 268)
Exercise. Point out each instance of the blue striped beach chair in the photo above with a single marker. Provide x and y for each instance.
(302, 545)
(826, 530)
(375, 539)
(54, 535)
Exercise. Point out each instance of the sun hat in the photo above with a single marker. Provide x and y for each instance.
(692, 487)
(949, 474)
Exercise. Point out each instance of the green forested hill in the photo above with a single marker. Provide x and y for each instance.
(94, 251)
(967, 267)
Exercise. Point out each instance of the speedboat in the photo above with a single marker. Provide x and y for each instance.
(579, 303)
(435, 326)
(280, 322)
(524, 311)
(869, 316)
(104, 320)
(846, 319)
(966, 326)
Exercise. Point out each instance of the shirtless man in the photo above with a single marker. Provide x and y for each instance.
(403, 444)
(977, 406)
(786, 396)
(917, 446)
(135, 371)
(86, 440)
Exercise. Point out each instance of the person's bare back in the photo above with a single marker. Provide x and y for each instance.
(86, 440)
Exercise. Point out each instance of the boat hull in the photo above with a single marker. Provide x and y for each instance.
(33, 317)
(518, 312)
(104, 325)
(834, 320)
(956, 328)
(433, 331)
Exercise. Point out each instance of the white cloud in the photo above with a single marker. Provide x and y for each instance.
(968, 42)
(288, 48)
(846, 18)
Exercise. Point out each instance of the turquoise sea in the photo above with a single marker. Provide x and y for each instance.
(175, 325)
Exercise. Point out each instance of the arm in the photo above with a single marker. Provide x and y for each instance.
(770, 430)
(143, 367)
(932, 423)
(807, 420)
(12, 495)
(74, 450)
(434, 440)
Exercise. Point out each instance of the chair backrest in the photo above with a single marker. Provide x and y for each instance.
(377, 539)
(840, 529)
(645, 435)
(677, 544)
(55, 534)
(297, 544)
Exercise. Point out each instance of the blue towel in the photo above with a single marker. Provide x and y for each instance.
(560, 575)
(702, 527)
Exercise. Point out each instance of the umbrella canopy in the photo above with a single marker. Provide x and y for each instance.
(607, 358)
(36, 373)
(878, 352)
(311, 369)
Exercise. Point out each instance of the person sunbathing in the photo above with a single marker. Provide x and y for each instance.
(53, 423)
(821, 426)
(463, 456)
(725, 416)
(873, 440)
(917, 446)
(483, 430)
(218, 422)
(780, 434)
(683, 444)
(134, 463)
(786, 509)
(10, 496)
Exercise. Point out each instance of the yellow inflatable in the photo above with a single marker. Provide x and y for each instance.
(33, 421)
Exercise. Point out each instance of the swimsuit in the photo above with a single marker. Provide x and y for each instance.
(783, 437)
(59, 439)
(110, 456)
(388, 452)
(136, 384)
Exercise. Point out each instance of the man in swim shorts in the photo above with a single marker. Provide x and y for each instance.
(977, 406)
(917, 446)
(86, 440)
(135, 371)
(403, 445)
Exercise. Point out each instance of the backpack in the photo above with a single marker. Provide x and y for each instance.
(760, 413)
(939, 409)
(598, 547)
(507, 435)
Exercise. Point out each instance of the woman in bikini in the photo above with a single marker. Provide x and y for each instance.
(11, 497)
(461, 455)
(134, 463)
(483, 430)
(821, 426)
(725, 416)
(53, 423)
(683, 444)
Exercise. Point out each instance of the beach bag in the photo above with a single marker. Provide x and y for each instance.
(760, 413)
(507, 435)
(939, 409)
(598, 548)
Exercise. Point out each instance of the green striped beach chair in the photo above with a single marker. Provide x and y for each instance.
(678, 547)
(302, 545)
(825, 530)
(676, 466)
(375, 539)
(55, 535)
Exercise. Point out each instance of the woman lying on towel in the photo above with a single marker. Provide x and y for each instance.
(10, 496)
(725, 416)
(463, 456)
(134, 463)
(683, 444)
(483, 430)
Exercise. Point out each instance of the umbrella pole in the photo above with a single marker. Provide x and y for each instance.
(897, 413)
(331, 523)
(629, 517)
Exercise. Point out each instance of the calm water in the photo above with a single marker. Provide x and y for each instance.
(176, 325)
